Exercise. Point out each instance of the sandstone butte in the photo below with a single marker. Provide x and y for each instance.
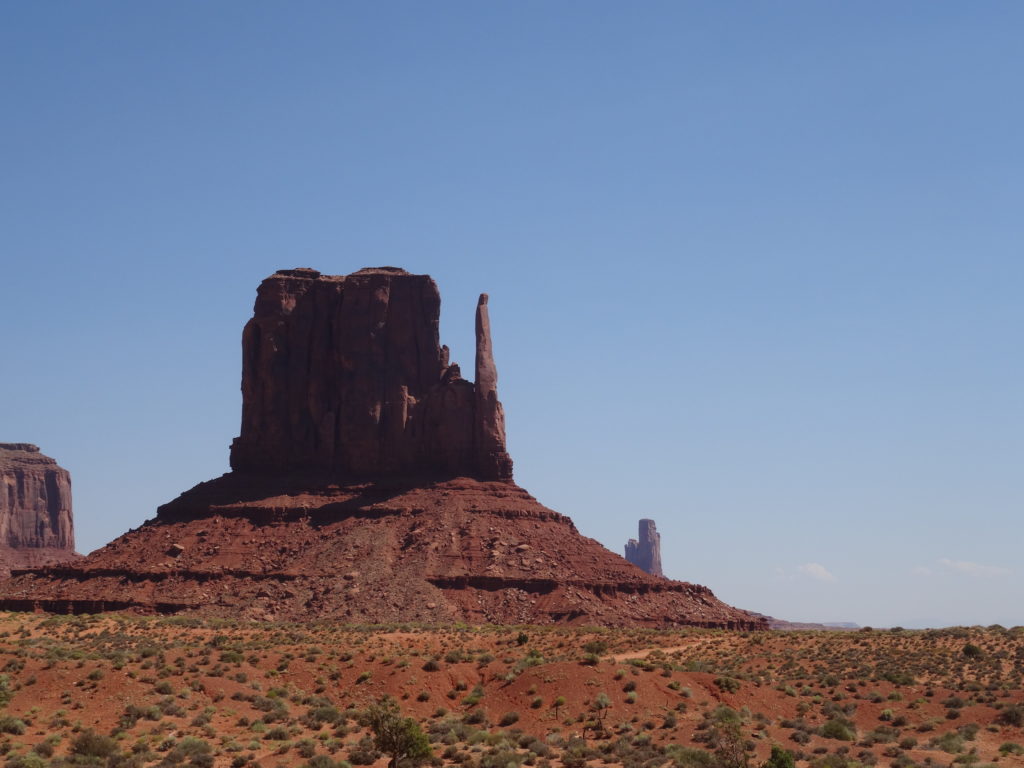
(36, 527)
(370, 483)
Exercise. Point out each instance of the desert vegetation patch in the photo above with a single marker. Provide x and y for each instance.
(117, 690)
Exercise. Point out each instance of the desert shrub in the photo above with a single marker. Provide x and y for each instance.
(951, 742)
(316, 717)
(306, 748)
(196, 751)
(780, 758)
(969, 731)
(688, 757)
(728, 684)
(501, 757)
(838, 728)
(597, 647)
(31, 760)
(971, 651)
(509, 718)
(323, 761)
(1011, 748)
(1013, 715)
(91, 744)
(12, 725)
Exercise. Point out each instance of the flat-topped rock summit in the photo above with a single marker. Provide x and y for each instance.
(347, 375)
(36, 525)
(370, 483)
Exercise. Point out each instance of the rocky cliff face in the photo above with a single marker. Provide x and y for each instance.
(35, 508)
(346, 375)
(645, 552)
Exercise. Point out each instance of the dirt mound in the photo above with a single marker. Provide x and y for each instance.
(457, 550)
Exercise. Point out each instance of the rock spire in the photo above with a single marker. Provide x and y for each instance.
(645, 553)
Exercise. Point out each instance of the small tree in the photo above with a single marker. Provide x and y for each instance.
(397, 736)
(726, 738)
(780, 758)
(600, 706)
(558, 703)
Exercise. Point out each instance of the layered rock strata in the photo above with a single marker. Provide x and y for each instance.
(370, 483)
(645, 552)
(36, 526)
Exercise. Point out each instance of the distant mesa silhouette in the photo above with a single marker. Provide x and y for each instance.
(36, 524)
(370, 483)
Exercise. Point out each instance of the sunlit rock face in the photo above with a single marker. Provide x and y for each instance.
(36, 525)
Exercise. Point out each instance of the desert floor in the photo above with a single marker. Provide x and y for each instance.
(126, 690)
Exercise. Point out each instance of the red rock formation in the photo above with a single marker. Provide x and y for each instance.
(646, 553)
(347, 375)
(492, 459)
(36, 526)
(370, 483)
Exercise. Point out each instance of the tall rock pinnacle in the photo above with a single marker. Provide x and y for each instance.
(490, 416)
(646, 553)
(346, 375)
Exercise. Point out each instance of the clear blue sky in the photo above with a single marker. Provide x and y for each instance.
(755, 268)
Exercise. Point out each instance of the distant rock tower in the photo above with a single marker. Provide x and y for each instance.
(646, 553)
(36, 527)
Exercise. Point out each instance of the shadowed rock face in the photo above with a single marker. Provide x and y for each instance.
(35, 508)
(346, 374)
(645, 553)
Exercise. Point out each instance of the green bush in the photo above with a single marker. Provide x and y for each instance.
(509, 718)
(1013, 715)
(780, 758)
(838, 728)
(728, 684)
(12, 725)
(972, 651)
(91, 744)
